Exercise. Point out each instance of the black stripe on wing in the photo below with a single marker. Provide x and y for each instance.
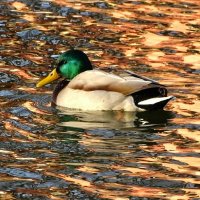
(143, 77)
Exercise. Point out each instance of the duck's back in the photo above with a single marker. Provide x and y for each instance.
(92, 80)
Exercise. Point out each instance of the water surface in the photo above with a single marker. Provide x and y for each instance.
(56, 153)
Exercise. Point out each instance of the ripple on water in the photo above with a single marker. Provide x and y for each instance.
(20, 173)
(158, 14)
(20, 111)
(18, 62)
(65, 11)
(8, 78)
(54, 153)
(177, 34)
(13, 94)
(102, 5)
(29, 34)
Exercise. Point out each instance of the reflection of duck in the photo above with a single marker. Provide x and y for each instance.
(112, 119)
(85, 88)
(96, 119)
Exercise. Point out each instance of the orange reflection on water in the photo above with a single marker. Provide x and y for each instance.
(131, 156)
(20, 6)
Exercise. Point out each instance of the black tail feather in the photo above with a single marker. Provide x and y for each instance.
(150, 93)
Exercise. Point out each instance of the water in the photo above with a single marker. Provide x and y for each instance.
(56, 153)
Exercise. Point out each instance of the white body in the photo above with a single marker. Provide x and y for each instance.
(95, 100)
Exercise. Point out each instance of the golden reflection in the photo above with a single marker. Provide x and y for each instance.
(7, 178)
(184, 107)
(155, 55)
(191, 134)
(21, 73)
(31, 106)
(88, 169)
(170, 147)
(190, 161)
(81, 182)
(123, 14)
(36, 59)
(178, 26)
(184, 170)
(151, 39)
(29, 17)
(130, 52)
(192, 59)
(156, 39)
(19, 6)
(6, 195)
(195, 193)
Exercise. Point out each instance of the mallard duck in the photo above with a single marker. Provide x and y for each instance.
(85, 88)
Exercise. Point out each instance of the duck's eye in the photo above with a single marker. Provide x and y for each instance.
(59, 65)
(58, 69)
(62, 62)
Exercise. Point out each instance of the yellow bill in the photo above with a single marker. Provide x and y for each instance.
(51, 77)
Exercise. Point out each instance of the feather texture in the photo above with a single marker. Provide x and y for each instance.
(98, 80)
(99, 90)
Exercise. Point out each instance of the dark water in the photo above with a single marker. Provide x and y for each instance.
(56, 154)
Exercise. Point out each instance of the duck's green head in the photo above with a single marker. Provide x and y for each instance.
(69, 65)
